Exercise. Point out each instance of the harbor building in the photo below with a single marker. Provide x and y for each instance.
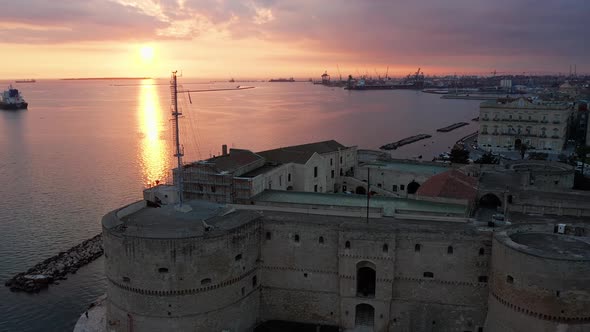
(508, 125)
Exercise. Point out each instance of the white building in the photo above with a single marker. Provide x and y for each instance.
(508, 124)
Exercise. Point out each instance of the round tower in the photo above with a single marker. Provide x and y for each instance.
(539, 278)
(169, 270)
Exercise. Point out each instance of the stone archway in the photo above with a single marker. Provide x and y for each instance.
(490, 201)
(364, 316)
(365, 279)
(360, 190)
(413, 187)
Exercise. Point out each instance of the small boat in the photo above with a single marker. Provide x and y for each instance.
(12, 100)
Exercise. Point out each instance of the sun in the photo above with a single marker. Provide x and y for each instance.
(147, 53)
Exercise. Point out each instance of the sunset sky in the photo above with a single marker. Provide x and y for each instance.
(301, 38)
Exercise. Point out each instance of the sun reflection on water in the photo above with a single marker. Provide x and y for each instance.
(155, 157)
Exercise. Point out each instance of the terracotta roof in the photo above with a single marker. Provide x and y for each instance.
(300, 154)
(235, 159)
(450, 184)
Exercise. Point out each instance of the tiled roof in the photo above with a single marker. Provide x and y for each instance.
(235, 159)
(451, 184)
(300, 154)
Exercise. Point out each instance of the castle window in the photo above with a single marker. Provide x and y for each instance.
(428, 275)
(366, 279)
(509, 279)
(402, 187)
(163, 270)
(331, 161)
(243, 291)
(289, 177)
(341, 159)
(385, 248)
(417, 247)
(450, 250)
(315, 188)
(212, 189)
(305, 275)
(481, 251)
(480, 329)
(482, 279)
(268, 235)
(347, 245)
(296, 238)
(341, 172)
(238, 257)
(205, 281)
(321, 240)
(315, 172)
(254, 281)
(557, 293)
(126, 279)
(394, 188)
(509, 198)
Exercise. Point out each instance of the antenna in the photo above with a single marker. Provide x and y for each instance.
(179, 150)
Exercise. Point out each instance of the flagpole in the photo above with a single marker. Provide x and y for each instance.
(368, 190)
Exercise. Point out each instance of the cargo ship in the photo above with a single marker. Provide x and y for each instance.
(282, 80)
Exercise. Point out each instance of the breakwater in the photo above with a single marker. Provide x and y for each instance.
(452, 127)
(408, 140)
(55, 268)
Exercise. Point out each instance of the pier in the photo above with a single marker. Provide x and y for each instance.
(405, 141)
(57, 267)
(452, 127)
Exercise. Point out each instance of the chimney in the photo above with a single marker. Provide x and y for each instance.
(224, 150)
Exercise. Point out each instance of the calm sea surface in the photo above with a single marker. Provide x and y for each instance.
(84, 148)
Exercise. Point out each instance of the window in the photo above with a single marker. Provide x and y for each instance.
(296, 238)
(482, 279)
(341, 172)
(402, 187)
(289, 177)
(254, 281)
(481, 251)
(341, 159)
(163, 270)
(417, 247)
(332, 174)
(450, 250)
(243, 291)
(238, 257)
(347, 245)
(394, 188)
(280, 180)
(126, 279)
(331, 162)
(315, 188)
(366, 279)
(509, 279)
(268, 235)
(315, 172)
(212, 189)
(205, 281)
(321, 240)
(428, 275)
(385, 248)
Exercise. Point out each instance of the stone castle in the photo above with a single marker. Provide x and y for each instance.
(419, 262)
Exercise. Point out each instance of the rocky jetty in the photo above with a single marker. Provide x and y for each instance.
(57, 267)
(408, 140)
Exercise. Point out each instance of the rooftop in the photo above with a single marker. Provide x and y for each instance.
(167, 222)
(300, 154)
(450, 184)
(525, 103)
(235, 159)
(410, 167)
(554, 245)
(389, 204)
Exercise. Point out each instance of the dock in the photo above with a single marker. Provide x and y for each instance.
(405, 141)
(452, 127)
(57, 267)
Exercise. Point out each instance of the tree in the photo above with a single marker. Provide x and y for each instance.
(459, 155)
(488, 158)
